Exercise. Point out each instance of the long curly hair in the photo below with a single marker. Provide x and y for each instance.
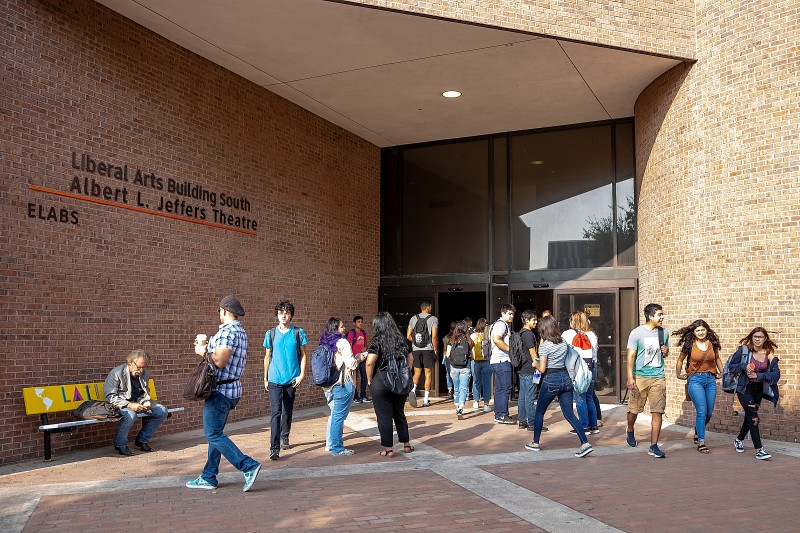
(769, 345)
(686, 336)
(387, 336)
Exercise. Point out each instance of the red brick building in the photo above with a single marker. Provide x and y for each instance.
(158, 155)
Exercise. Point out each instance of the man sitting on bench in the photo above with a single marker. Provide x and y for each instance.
(126, 388)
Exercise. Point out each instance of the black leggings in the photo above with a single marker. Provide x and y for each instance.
(388, 408)
(751, 400)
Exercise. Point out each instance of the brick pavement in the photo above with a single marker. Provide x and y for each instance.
(469, 474)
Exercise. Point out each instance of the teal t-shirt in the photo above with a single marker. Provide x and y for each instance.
(649, 359)
(284, 363)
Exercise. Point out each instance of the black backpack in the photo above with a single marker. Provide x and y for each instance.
(516, 351)
(421, 337)
(459, 354)
(398, 376)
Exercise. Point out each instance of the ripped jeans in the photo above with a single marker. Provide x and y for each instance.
(751, 400)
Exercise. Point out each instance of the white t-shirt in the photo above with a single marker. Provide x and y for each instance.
(498, 354)
(587, 354)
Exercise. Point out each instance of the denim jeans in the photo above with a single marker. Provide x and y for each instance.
(448, 376)
(703, 391)
(502, 388)
(750, 400)
(215, 416)
(460, 377)
(556, 385)
(156, 415)
(339, 398)
(587, 409)
(281, 406)
(481, 381)
(527, 394)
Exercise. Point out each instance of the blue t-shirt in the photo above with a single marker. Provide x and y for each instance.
(649, 361)
(284, 362)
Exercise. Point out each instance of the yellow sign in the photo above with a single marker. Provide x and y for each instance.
(57, 398)
(591, 309)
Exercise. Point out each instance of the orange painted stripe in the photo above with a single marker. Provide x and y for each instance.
(132, 208)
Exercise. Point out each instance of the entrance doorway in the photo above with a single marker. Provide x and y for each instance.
(457, 306)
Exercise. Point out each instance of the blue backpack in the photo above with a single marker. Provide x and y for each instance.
(323, 366)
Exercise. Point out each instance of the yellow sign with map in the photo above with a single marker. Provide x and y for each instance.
(58, 398)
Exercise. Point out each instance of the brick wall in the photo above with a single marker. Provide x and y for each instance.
(719, 231)
(78, 295)
(656, 26)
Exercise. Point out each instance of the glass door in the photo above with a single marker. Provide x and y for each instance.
(602, 310)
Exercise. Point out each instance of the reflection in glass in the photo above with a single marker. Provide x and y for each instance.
(561, 196)
(445, 208)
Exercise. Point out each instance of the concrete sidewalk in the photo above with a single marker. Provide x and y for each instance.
(467, 474)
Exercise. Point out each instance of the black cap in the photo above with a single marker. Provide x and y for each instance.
(231, 303)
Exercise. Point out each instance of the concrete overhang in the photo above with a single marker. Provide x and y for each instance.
(381, 74)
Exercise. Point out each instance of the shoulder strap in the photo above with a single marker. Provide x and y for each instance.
(297, 342)
(272, 334)
(661, 337)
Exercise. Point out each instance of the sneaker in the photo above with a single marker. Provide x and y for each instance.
(274, 456)
(594, 430)
(763, 454)
(426, 403)
(586, 431)
(631, 440)
(523, 425)
(474, 405)
(344, 452)
(534, 446)
(449, 396)
(460, 414)
(357, 400)
(584, 450)
(656, 452)
(504, 420)
(487, 409)
(412, 398)
(285, 444)
(739, 445)
(250, 477)
(200, 483)
(366, 400)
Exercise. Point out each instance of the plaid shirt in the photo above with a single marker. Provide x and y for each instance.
(230, 335)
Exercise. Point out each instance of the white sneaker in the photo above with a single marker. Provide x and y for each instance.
(584, 450)
(474, 405)
(763, 454)
(487, 409)
(739, 445)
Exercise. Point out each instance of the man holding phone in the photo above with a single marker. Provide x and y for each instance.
(284, 370)
(126, 389)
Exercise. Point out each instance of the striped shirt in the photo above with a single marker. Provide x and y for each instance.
(230, 335)
(556, 354)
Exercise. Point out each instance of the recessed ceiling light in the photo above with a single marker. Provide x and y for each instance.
(451, 94)
(537, 162)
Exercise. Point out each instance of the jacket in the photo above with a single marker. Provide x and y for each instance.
(117, 387)
(770, 377)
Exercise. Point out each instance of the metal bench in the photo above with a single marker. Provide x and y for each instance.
(61, 398)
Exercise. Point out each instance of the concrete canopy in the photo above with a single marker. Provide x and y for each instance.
(381, 74)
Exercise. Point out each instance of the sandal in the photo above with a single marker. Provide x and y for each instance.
(702, 448)
(408, 448)
(389, 454)
(696, 439)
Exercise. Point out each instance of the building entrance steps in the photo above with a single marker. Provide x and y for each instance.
(499, 485)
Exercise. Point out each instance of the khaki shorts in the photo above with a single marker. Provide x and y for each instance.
(648, 390)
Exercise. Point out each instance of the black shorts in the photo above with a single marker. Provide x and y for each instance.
(424, 358)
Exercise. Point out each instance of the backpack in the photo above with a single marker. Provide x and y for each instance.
(323, 366)
(398, 376)
(479, 354)
(578, 370)
(459, 354)
(582, 343)
(486, 345)
(272, 339)
(516, 350)
(729, 378)
(421, 336)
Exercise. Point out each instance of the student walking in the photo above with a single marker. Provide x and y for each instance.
(481, 370)
(459, 352)
(527, 372)
(556, 384)
(501, 363)
(700, 349)
(756, 364)
(584, 340)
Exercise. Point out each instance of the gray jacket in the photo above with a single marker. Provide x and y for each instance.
(117, 387)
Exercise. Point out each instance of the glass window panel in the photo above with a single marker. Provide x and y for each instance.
(445, 208)
(390, 215)
(561, 197)
(501, 242)
(626, 203)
